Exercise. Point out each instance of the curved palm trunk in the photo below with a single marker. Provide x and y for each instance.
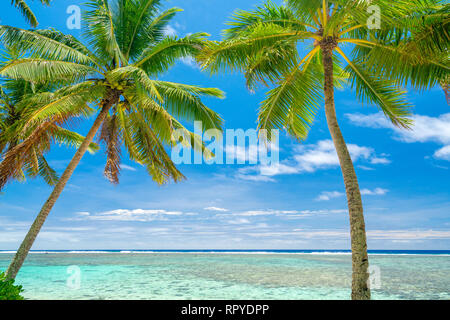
(360, 260)
(27, 243)
(446, 89)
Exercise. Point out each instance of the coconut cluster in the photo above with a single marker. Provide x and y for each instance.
(119, 85)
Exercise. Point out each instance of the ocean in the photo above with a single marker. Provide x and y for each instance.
(235, 275)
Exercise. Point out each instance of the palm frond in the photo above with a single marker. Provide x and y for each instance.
(234, 54)
(293, 103)
(381, 92)
(45, 44)
(151, 152)
(245, 21)
(160, 57)
(101, 32)
(44, 71)
(26, 12)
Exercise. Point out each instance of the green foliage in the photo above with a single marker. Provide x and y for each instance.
(413, 49)
(127, 50)
(8, 290)
(23, 144)
(281, 47)
(25, 10)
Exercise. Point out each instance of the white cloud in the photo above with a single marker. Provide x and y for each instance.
(328, 195)
(371, 234)
(380, 161)
(137, 215)
(425, 129)
(323, 155)
(443, 153)
(408, 234)
(376, 120)
(239, 221)
(125, 167)
(375, 192)
(249, 154)
(278, 169)
(216, 209)
(286, 213)
(266, 212)
(365, 168)
(170, 31)
(310, 158)
(84, 214)
(429, 129)
(254, 178)
(190, 62)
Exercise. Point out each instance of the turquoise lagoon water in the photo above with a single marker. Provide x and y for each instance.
(237, 275)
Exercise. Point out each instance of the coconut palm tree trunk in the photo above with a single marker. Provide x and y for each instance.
(446, 89)
(360, 260)
(27, 243)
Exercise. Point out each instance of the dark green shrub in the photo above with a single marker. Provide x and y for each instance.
(8, 290)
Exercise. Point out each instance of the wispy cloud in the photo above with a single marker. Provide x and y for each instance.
(249, 154)
(126, 167)
(256, 178)
(216, 209)
(408, 234)
(344, 234)
(136, 215)
(190, 62)
(309, 159)
(267, 212)
(375, 192)
(287, 213)
(170, 31)
(328, 195)
(443, 153)
(322, 155)
(425, 129)
(239, 221)
(377, 160)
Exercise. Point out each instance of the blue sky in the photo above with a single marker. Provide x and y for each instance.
(403, 176)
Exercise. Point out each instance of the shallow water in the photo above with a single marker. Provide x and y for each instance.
(236, 276)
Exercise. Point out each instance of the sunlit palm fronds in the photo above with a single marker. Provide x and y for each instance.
(25, 10)
(128, 49)
(264, 44)
(23, 145)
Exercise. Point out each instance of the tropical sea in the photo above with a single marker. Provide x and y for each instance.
(237, 275)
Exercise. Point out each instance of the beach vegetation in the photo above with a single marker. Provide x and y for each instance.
(302, 51)
(26, 11)
(23, 149)
(114, 75)
(8, 290)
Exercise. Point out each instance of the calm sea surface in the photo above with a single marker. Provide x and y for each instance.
(228, 275)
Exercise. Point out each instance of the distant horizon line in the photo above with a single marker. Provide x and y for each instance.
(227, 250)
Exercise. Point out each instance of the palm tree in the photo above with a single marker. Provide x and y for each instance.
(24, 154)
(299, 49)
(127, 50)
(26, 11)
(421, 41)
